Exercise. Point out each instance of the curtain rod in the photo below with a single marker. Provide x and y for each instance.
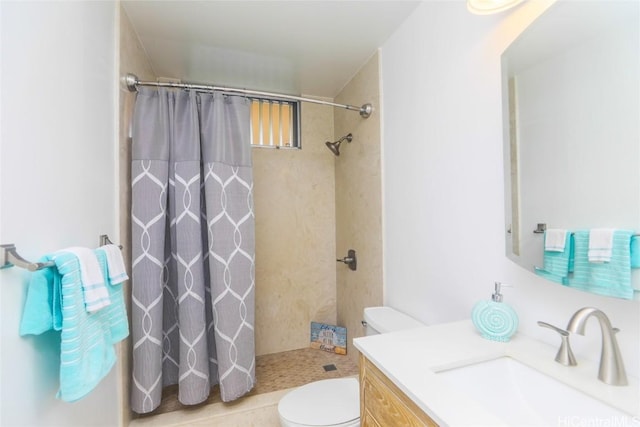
(132, 82)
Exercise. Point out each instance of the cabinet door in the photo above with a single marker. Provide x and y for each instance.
(384, 404)
(368, 421)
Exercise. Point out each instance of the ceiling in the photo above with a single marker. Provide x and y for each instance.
(295, 46)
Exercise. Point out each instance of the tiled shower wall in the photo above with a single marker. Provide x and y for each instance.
(359, 201)
(294, 197)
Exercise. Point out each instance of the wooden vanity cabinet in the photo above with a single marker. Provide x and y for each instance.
(383, 404)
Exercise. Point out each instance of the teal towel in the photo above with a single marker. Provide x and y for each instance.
(87, 353)
(563, 280)
(42, 311)
(558, 265)
(635, 252)
(608, 278)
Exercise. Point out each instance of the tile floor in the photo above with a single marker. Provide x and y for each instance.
(274, 372)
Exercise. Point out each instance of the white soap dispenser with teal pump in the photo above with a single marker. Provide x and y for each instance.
(494, 319)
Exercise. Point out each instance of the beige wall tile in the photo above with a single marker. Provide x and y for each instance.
(295, 236)
(359, 202)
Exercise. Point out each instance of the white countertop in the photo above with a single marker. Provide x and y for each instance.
(412, 358)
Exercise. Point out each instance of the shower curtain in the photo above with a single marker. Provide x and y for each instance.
(193, 247)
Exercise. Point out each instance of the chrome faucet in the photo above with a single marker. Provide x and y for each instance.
(565, 355)
(611, 366)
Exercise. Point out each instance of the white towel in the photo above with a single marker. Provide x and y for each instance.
(555, 240)
(600, 244)
(115, 264)
(94, 290)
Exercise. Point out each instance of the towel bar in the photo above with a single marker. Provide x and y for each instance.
(543, 227)
(9, 257)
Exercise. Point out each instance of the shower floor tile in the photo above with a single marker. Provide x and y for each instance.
(278, 371)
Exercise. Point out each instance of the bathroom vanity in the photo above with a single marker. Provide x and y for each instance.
(448, 375)
(383, 403)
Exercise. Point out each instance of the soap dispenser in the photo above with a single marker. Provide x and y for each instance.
(494, 319)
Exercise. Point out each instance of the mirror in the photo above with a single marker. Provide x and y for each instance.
(571, 112)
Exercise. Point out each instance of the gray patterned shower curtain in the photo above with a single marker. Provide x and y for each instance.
(193, 247)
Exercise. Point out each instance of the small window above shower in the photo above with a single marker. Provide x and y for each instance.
(275, 123)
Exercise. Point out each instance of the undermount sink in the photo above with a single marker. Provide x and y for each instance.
(522, 396)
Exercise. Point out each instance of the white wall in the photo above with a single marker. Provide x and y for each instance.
(443, 180)
(57, 183)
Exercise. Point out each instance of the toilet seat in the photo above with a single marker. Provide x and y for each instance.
(333, 402)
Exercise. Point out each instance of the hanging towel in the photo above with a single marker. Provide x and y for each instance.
(611, 278)
(558, 264)
(558, 278)
(94, 290)
(117, 272)
(87, 340)
(116, 314)
(555, 240)
(600, 244)
(635, 262)
(42, 309)
(635, 251)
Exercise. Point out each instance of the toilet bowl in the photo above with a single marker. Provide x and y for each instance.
(333, 402)
(336, 402)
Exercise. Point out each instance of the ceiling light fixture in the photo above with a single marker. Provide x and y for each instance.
(487, 7)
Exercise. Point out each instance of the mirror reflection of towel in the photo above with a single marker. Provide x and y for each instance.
(611, 278)
(600, 244)
(635, 252)
(555, 240)
(557, 263)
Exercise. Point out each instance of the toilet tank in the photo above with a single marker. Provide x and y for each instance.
(380, 320)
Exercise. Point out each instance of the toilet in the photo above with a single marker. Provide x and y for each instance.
(336, 402)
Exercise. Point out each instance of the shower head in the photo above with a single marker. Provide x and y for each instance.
(335, 146)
